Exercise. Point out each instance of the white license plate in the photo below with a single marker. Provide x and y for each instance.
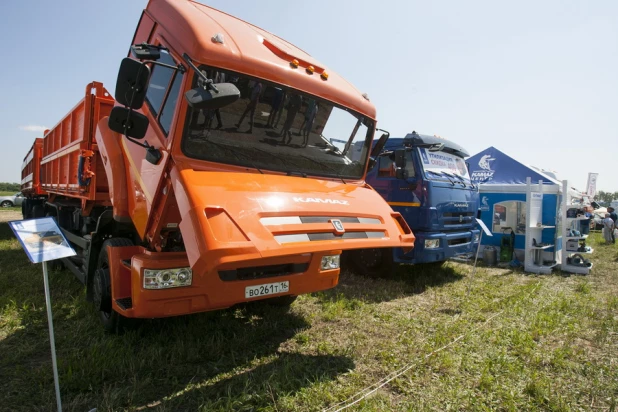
(267, 289)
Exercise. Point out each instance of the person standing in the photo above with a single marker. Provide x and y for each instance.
(608, 229)
(254, 97)
(613, 217)
(294, 104)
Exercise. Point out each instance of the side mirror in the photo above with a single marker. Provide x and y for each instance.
(129, 123)
(379, 146)
(400, 158)
(400, 173)
(372, 163)
(132, 83)
(200, 98)
(145, 51)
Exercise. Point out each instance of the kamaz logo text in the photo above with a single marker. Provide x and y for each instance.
(460, 205)
(318, 200)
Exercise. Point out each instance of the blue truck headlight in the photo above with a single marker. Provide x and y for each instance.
(432, 243)
(167, 278)
(476, 237)
(330, 262)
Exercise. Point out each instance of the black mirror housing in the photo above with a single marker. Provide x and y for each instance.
(132, 83)
(379, 146)
(400, 158)
(145, 51)
(400, 173)
(129, 123)
(200, 98)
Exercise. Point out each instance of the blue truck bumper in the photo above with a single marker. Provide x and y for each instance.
(449, 245)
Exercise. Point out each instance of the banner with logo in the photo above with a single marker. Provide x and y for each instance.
(491, 166)
(591, 186)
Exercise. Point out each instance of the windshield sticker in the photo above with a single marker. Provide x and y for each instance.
(442, 163)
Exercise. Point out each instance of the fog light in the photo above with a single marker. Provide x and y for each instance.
(476, 237)
(167, 278)
(432, 243)
(330, 262)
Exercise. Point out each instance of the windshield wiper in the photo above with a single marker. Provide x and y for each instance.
(461, 179)
(325, 166)
(230, 150)
(447, 176)
(282, 160)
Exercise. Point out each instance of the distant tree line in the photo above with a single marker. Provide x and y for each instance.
(9, 187)
(606, 197)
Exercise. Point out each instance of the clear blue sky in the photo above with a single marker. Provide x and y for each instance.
(536, 79)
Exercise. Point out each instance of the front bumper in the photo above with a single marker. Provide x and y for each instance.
(208, 291)
(451, 245)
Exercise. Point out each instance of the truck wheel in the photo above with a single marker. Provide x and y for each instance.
(38, 211)
(113, 322)
(6, 203)
(375, 263)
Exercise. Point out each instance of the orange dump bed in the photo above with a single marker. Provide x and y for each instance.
(30, 170)
(70, 163)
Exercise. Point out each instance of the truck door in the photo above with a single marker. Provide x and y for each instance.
(162, 99)
(397, 192)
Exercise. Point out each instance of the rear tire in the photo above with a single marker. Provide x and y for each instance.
(113, 322)
(38, 211)
(6, 203)
(375, 263)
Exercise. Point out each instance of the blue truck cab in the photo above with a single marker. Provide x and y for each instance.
(426, 179)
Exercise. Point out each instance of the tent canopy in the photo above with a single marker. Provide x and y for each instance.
(493, 167)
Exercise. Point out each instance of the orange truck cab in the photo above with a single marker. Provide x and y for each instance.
(230, 167)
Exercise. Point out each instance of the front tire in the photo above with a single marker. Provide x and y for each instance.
(113, 322)
(375, 263)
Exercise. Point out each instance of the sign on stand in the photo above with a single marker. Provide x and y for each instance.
(42, 241)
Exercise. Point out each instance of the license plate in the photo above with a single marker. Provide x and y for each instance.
(267, 289)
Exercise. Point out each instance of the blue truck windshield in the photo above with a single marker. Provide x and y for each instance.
(439, 164)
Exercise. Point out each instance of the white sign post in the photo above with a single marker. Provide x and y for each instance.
(43, 240)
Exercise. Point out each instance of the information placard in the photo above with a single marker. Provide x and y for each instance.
(42, 239)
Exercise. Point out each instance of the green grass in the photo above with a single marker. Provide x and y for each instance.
(526, 342)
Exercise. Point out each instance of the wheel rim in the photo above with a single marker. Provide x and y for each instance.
(5, 204)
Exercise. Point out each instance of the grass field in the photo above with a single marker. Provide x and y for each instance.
(498, 340)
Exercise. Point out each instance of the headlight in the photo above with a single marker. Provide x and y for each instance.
(476, 237)
(432, 243)
(330, 262)
(167, 278)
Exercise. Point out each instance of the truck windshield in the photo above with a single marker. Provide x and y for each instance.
(274, 127)
(442, 165)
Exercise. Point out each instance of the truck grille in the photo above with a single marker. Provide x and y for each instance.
(354, 228)
(259, 272)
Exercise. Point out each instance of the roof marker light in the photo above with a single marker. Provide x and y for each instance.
(294, 63)
(310, 69)
(218, 38)
(324, 76)
(366, 96)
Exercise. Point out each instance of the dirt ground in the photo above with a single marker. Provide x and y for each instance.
(8, 215)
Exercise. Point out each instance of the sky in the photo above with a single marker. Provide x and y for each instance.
(538, 80)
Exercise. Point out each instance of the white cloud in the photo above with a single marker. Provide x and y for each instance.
(33, 128)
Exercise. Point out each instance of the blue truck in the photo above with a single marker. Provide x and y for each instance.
(426, 179)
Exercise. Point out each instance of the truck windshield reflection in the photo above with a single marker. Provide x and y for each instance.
(276, 128)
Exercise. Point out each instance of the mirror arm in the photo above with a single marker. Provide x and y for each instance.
(179, 67)
(208, 82)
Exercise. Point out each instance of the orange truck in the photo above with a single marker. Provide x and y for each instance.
(227, 169)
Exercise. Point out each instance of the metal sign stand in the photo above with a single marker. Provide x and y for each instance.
(52, 342)
(43, 240)
(485, 230)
